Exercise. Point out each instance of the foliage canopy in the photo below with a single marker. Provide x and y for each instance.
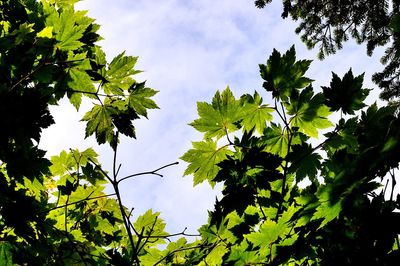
(263, 154)
(266, 216)
(329, 24)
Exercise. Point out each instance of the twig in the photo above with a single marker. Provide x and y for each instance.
(79, 201)
(183, 249)
(183, 233)
(154, 172)
(227, 136)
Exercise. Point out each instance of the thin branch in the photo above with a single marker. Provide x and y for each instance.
(146, 239)
(227, 136)
(115, 173)
(262, 211)
(66, 215)
(79, 201)
(98, 94)
(119, 168)
(154, 172)
(183, 233)
(183, 249)
(393, 176)
(126, 222)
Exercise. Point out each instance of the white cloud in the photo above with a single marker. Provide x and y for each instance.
(188, 50)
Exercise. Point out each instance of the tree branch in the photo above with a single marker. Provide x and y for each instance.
(79, 201)
(154, 172)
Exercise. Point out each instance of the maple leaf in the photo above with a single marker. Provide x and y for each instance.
(305, 163)
(118, 74)
(68, 31)
(100, 122)
(276, 139)
(150, 224)
(283, 74)
(346, 94)
(203, 160)
(220, 117)
(139, 98)
(308, 111)
(255, 114)
(326, 210)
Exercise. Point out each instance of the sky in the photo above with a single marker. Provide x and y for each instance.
(188, 50)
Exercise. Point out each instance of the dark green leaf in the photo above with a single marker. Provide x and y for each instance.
(346, 94)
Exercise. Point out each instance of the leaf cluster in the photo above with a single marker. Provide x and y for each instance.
(328, 25)
(292, 196)
(48, 51)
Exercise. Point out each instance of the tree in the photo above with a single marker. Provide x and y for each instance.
(329, 24)
(55, 212)
(263, 154)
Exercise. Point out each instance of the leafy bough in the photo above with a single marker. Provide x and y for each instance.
(265, 216)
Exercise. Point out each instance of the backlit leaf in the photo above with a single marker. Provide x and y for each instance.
(220, 117)
(283, 74)
(308, 111)
(118, 74)
(255, 114)
(100, 123)
(140, 98)
(203, 159)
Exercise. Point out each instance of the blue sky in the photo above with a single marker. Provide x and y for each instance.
(188, 50)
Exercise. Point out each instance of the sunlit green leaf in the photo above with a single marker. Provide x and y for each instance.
(119, 74)
(309, 113)
(140, 98)
(283, 74)
(220, 117)
(255, 114)
(6, 254)
(203, 160)
(100, 123)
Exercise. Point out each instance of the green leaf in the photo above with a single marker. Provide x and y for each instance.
(276, 140)
(22, 32)
(344, 137)
(308, 111)
(283, 74)
(220, 117)
(140, 98)
(47, 32)
(214, 258)
(5, 254)
(203, 160)
(62, 163)
(119, 74)
(326, 210)
(240, 255)
(304, 162)
(269, 232)
(100, 123)
(346, 94)
(150, 224)
(255, 114)
(67, 32)
(80, 82)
